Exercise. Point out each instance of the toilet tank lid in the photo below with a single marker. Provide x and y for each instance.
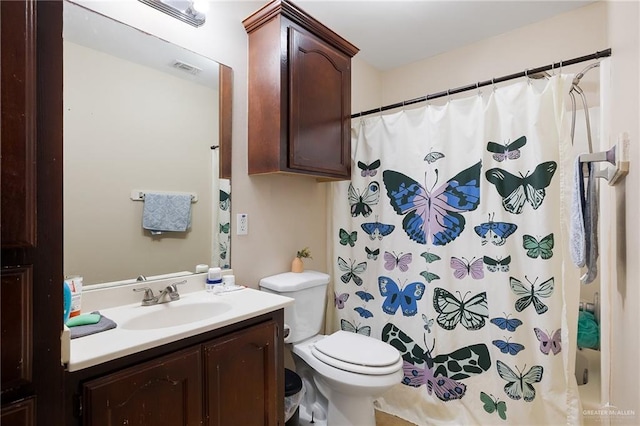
(294, 281)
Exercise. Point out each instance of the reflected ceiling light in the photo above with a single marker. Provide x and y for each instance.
(183, 10)
(201, 6)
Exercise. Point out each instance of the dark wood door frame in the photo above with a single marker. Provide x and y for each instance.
(43, 117)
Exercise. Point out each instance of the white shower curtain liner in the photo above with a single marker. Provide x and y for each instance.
(450, 243)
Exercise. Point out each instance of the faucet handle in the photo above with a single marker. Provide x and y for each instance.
(148, 294)
(173, 290)
(179, 283)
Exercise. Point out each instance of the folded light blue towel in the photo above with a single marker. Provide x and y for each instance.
(166, 212)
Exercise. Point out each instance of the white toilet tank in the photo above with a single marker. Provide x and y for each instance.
(309, 289)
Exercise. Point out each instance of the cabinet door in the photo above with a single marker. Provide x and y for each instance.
(21, 413)
(320, 106)
(165, 391)
(242, 386)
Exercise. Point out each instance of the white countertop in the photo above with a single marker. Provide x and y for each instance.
(105, 346)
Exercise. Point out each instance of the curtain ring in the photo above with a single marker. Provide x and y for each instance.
(493, 83)
(553, 70)
(478, 87)
(561, 67)
(448, 95)
(526, 74)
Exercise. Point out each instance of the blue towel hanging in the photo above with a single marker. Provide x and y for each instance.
(166, 212)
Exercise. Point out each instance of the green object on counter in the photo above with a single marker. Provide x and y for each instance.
(85, 319)
(588, 331)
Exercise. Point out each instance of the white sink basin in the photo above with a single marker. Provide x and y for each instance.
(173, 315)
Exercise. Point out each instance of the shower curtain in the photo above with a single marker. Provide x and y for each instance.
(449, 244)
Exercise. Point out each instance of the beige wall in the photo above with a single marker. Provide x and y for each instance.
(566, 36)
(366, 86)
(623, 21)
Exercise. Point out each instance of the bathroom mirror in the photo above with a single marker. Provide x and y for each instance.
(140, 114)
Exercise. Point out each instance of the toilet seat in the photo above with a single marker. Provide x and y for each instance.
(357, 353)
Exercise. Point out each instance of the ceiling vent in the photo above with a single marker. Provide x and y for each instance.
(183, 66)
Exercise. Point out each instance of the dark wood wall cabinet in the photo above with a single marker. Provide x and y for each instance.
(230, 376)
(299, 94)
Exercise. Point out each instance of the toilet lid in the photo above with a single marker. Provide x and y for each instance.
(357, 353)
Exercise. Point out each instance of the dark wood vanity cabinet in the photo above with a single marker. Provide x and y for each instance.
(299, 94)
(226, 377)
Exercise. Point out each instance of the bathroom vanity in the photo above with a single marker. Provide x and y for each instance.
(225, 369)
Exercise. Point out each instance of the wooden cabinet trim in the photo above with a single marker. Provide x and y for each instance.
(300, 17)
(226, 122)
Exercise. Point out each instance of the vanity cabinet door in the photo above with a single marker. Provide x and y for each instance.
(242, 384)
(165, 391)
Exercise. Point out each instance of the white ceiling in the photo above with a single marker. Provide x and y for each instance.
(389, 33)
(394, 33)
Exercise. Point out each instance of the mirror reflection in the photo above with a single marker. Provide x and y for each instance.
(140, 115)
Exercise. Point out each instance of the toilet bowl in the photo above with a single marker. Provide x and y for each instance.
(346, 372)
(343, 372)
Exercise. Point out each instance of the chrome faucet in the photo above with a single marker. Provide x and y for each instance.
(168, 294)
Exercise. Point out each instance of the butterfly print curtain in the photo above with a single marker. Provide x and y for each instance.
(449, 244)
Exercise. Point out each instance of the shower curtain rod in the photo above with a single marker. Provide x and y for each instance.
(529, 72)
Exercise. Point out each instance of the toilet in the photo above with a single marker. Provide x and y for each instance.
(343, 372)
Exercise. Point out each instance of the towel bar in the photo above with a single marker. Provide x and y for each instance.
(618, 156)
(138, 195)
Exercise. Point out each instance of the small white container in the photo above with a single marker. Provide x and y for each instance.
(228, 280)
(214, 279)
